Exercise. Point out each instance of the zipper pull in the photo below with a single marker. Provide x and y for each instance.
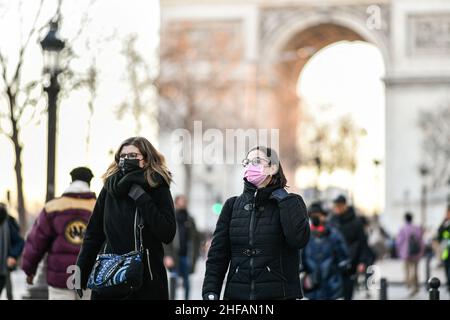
(237, 269)
(268, 269)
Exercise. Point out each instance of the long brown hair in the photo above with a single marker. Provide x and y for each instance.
(154, 160)
(271, 154)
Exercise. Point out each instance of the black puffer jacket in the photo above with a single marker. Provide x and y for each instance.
(257, 239)
(112, 222)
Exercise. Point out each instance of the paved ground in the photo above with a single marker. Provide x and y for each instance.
(390, 269)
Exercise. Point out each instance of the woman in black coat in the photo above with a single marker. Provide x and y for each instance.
(258, 236)
(137, 179)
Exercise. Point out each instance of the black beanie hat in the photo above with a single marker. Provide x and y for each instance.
(82, 174)
(341, 199)
(316, 207)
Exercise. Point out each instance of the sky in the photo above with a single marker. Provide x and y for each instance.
(345, 76)
(112, 17)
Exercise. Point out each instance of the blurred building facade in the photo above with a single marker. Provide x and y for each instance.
(235, 64)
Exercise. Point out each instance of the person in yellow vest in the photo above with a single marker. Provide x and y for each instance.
(444, 238)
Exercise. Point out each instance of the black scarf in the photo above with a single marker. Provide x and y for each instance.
(119, 185)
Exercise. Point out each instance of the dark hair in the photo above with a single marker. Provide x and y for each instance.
(279, 177)
(3, 213)
(82, 174)
(408, 217)
(341, 199)
(316, 207)
(155, 161)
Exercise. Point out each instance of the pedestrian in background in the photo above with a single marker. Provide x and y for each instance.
(410, 248)
(182, 253)
(258, 236)
(58, 231)
(351, 227)
(324, 259)
(377, 237)
(443, 238)
(11, 245)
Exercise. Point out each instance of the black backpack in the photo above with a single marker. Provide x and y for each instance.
(413, 245)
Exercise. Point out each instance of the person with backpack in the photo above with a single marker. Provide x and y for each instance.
(410, 248)
(258, 236)
(324, 259)
(11, 245)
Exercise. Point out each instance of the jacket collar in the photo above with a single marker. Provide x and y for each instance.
(347, 215)
(79, 189)
(263, 193)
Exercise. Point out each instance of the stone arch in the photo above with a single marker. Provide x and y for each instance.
(277, 38)
(281, 63)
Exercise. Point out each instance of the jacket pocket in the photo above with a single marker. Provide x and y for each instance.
(277, 274)
(148, 264)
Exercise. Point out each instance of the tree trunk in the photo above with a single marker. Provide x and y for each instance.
(18, 165)
(19, 181)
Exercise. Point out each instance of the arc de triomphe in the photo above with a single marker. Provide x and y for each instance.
(265, 43)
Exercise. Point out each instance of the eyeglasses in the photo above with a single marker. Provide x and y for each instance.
(131, 155)
(254, 161)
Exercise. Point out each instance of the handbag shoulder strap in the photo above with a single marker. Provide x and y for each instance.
(138, 226)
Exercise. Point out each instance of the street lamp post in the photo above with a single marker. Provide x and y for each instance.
(377, 207)
(51, 47)
(424, 171)
(448, 196)
(318, 163)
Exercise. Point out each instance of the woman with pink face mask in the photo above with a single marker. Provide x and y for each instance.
(258, 236)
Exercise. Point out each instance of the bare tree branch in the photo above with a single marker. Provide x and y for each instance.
(4, 66)
(19, 9)
(24, 98)
(85, 20)
(436, 149)
(16, 77)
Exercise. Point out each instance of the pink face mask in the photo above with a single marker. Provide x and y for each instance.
(255, 174)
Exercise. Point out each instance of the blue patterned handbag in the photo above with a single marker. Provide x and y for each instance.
(118, 276)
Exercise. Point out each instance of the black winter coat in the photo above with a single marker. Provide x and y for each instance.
(352, 229)
(257, 239)
(112, 223)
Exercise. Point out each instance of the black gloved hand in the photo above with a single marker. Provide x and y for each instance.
(210, 296)
(136, 191)
(128, 165)
(279, 194)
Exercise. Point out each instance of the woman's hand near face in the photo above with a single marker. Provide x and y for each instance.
(279, 194)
